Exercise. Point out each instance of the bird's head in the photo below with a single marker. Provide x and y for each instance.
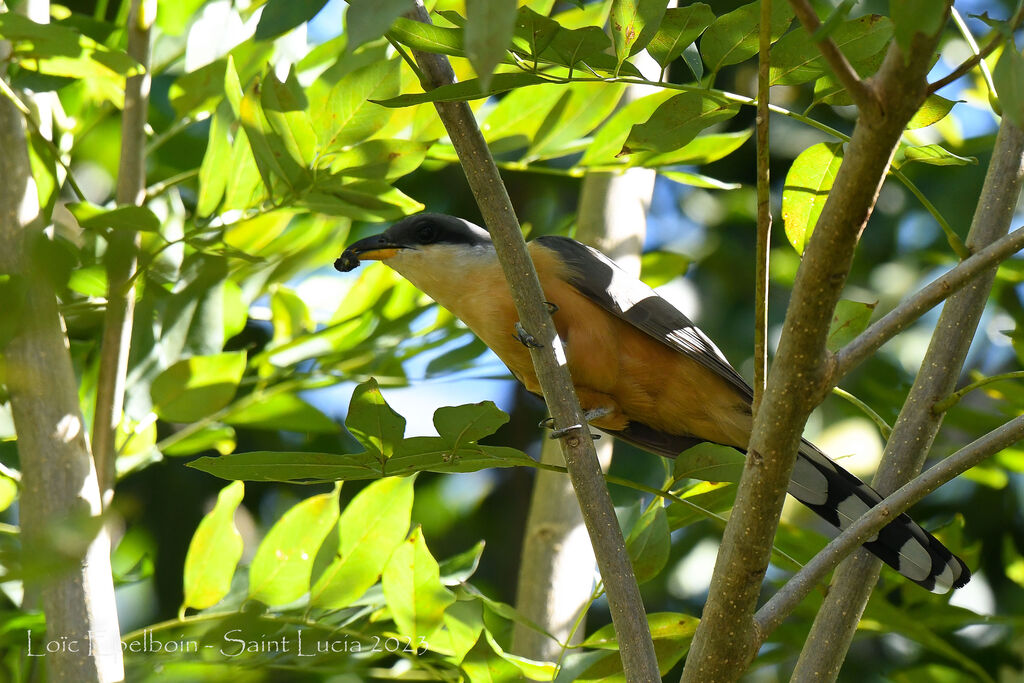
(426, 240)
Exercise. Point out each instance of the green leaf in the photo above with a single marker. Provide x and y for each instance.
(273, 156)
(489, 29)
(281, 16)
(678, 121)
(934, 155)
(369, 529)
(733, 37)
(216, 436)
(379, 159)
(483, 665)
(534, 32)
(934, 109)
(660, 267)
(706, 498)
(300, 467)
(581, 45)
(678, 29)
(612, 134)
(916, 16)
(282, 565)
(130, 217)
(284, 105)
(663, 625)
(698, 180)
(283, 411)
(671, 633)
(91, 281)
(850, 319)
(345, 115)
(361, 200)
(214, 551)
(633, 24)
(372, 421)
(582, 107)
(463, 623)
(709, 462)
(289, 314)
(807, 186)
(428, 37)
(458, 568)
(412, 587)
(57, 50)
(699, 151)
(368, 20)
(519, 114)
(648, 544)
(796, 58)
(198, 386)
(471, 89)
(8, 492)
(216, 168)
(1008, 77)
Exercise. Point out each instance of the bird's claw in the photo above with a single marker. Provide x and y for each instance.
(525, 338)
(552, 308)
(549, 423)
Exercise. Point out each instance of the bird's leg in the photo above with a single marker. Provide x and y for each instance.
(525, 338)
(589, 416)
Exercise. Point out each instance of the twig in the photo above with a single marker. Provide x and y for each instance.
(916, 305)
(796, 589)
(862, 94)
(882, 425)
(764, 207)
(636, 647)
(954, 398)
(122, 260)
(979, 55)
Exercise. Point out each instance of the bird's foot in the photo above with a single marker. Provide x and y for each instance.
(525, 338)
(552, 308)
(589, 416)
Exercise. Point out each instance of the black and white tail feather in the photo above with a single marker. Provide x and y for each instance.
(820, 484)
(840, 498)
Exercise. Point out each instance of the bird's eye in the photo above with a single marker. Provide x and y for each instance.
(426, 233)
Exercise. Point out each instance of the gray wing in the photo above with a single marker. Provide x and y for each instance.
(598, 278)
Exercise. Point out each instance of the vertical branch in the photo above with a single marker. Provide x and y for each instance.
(764, 208)
(557, 555)
(918, 422)
(122, 254)
(635, 645)
(59, 489)
(726, 639)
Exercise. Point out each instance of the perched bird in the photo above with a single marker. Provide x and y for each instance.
(643, 371)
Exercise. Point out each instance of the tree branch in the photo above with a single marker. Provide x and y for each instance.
(863, 95)
(725, 640)
(918, 423)
(771, 615)
(122, 259)
(764, 206)
(919, 303)
(635, 645)
(58, 482)
(995, 41)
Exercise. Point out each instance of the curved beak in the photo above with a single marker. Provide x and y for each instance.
(373, 248)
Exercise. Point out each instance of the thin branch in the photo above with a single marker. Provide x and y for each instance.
(954, 398)
(979, 55)
(882, 425)
(636, 647)
(796, 589)
(122, 259)
(953, 239)
(862, 94)
(919, 303)
(764, 208)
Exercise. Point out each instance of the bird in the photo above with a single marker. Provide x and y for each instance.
(643, 371)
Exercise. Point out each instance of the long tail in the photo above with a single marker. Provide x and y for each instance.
(840, 498)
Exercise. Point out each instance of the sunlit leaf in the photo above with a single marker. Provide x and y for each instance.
(413, 589)
(648, 544)
(850, 319)
(369, 529)
(489, 29)
(733, 37)
(677, 121)
(214, 552)
(281, 568)
(372, 421)
(1008, 77)
(807, 186)
(678, 29)
(281, 16)
(633, 24)
(198, 386)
